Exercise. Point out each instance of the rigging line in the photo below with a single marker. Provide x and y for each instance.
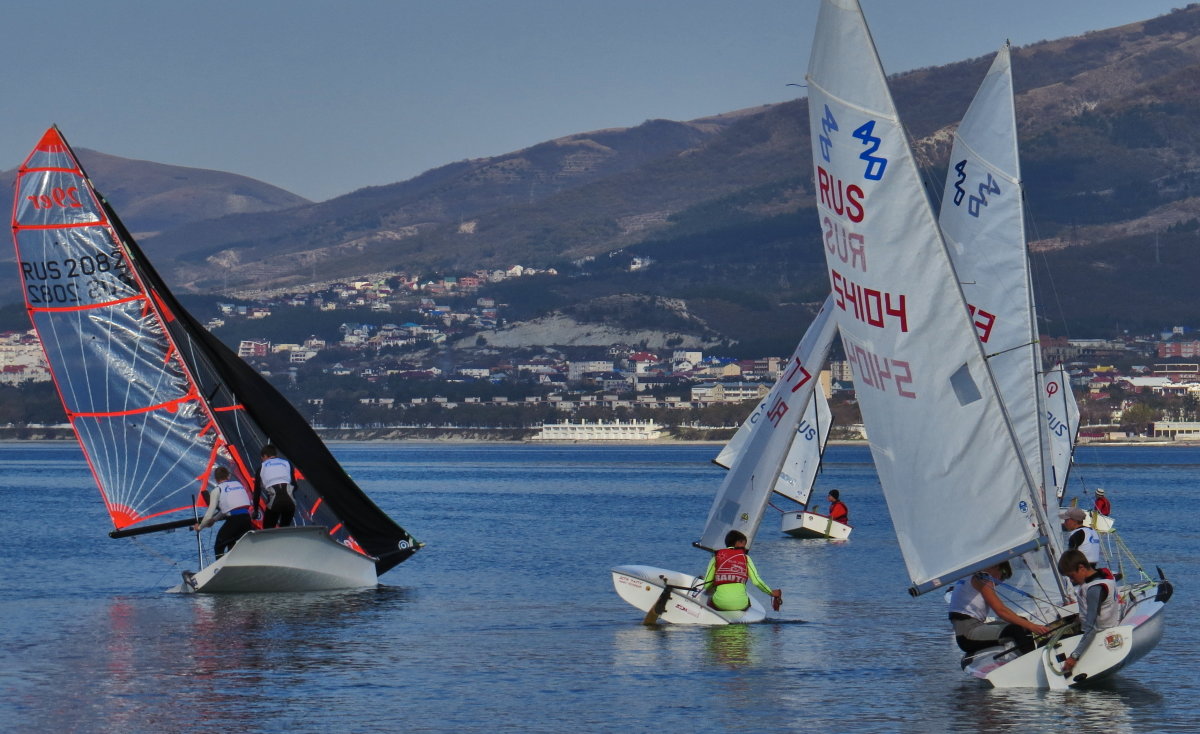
(1014, 348)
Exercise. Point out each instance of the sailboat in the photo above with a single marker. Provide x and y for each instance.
(964, 487)
(679, 597)
(157, 402)
(799, 471)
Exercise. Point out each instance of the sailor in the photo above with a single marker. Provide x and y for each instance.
(1102, 505)
(727, 574)
(1081, 537)
(974, 599)
(276, 481)
(838, 512)
(1097, 595)
(229, 501)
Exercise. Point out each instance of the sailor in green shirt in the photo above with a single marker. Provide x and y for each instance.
(728, 572)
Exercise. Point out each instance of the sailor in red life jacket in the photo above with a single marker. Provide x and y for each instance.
(727, 574)
(838, 512)
(1103, 506)
(1097, 595)
(229, 501)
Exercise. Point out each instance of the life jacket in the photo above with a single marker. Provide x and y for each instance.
(731, 567)
(275, 471)
(1090, 547)
(1103, 506)
(838, 511)
(1110, 611)
(966, 599)
(231, 495)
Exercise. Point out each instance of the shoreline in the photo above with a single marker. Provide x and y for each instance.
(512, 436)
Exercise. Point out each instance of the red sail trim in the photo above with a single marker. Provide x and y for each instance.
(72, 225)
(54, 169)
(170, 406)
(53, 309)
(123, 516)
(335, 528)
(162, 307)
(239, 406)
(313, 511)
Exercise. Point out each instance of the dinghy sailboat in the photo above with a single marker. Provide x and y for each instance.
(742, 499)
(799, 471)
(157, 402)
(960, 485)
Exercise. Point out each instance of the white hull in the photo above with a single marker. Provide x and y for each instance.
(642, 586)
(1110, 651)
(1099, 523)
(284, 559)
(802, 524)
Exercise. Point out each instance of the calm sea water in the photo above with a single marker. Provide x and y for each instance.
(507, 619)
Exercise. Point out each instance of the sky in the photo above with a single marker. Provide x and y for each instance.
(325, 97)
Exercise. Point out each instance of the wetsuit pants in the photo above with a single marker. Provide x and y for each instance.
(234, 527)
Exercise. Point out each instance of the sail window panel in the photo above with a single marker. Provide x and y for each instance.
(55, 198)
(964, 386)
(111, 359)
(147, 464)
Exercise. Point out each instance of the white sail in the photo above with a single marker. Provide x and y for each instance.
(799, 472)
(958, 489)
(733, 448)
(983, 220)
(742, 497)
(1062, 423)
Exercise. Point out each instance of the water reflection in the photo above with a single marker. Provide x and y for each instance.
(167, 664)
(1109, 706)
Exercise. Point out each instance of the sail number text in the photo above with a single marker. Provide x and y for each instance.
(67, 198)
(880, 373)
(869, 305)
(797, 376)
(42, 293)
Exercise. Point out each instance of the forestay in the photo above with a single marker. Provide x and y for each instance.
(743, 496)
(957, 487)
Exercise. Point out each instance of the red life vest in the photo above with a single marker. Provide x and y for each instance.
(1103, 506)
(838, 511)
(731, 567)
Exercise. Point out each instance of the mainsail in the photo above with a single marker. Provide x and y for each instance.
(154, 399)
(1062, 424)
(803, 462)
(743, 496)
(959, 492)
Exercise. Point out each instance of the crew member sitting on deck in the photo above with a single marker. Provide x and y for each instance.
(1103, 506)
(1097, 595)
(838, 512)
(727, 573)
(229, 501)
(974, 599)
(275, 480)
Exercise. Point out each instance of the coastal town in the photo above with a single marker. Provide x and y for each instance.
(379, 373)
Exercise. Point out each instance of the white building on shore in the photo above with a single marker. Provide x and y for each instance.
(633, 430)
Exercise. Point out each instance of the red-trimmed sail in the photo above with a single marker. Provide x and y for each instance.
(156, 400)
(134, 408)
